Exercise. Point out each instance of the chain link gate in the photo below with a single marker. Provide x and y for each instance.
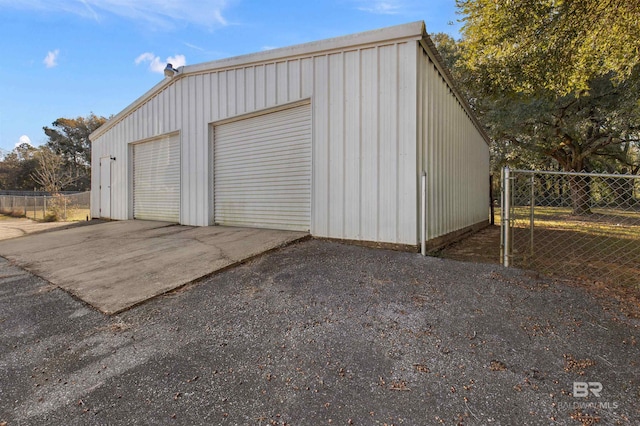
(575, 225)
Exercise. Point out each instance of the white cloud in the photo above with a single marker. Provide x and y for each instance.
(217, 16)
(160, 14)
(157, 65)
(23, 139)
(389, 7)
(147, 56)
(51, 60)
(193, 46)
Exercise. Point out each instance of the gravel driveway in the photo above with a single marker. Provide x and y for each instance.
(322, 333)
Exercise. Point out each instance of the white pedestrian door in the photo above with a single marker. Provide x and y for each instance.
(105, 187)
(262, 170)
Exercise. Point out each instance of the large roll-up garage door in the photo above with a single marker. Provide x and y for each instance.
(262, 170)
(156, 179)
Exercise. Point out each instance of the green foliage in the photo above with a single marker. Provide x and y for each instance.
(557, 45)
(578, 132)
(69, 138)
(17, 167)
(63, 164)
(556, 83)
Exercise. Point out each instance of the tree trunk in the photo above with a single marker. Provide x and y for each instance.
(621, 191)
(580, 194)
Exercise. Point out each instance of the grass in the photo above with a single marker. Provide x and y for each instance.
(73, 214)
(599, 252)
(78, 215)
(601, 222)
(602, 246)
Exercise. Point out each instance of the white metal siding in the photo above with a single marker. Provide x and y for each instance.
(381, 112)
(455, 158)
(365, 167)
(188, 105)
(262, 170)
(156, 179)
(364, 135)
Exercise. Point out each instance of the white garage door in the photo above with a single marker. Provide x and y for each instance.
(262, 171)
(156, 179)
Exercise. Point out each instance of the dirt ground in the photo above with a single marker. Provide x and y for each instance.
(12, 227)
(484, 247)
(323, 333)
(481, 247)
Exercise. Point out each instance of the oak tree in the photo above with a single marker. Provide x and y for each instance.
(555, 82)
(560, 45)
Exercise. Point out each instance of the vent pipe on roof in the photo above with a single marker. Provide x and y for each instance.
(170, 71)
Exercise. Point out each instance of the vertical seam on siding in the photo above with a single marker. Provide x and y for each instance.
(377, 118)
(397, 206)
(314, 146)
(328, 140)
(192, 122)
(253, 89)
(233, 93)
(275, 82)
(264, 86)
(288, 94)
(344, 144)
(359, 143)
(241, 85)
(218, 97)
(198, 109)
(300, 78)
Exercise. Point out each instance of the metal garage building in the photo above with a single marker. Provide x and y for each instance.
(330, 137)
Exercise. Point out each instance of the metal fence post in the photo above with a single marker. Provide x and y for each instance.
(575, 219)
(65, 207)
(532, 203)
(506, 216)
(423, 218)
(492, 213)
(501, 215)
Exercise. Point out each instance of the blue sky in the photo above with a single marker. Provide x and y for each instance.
(68, 58)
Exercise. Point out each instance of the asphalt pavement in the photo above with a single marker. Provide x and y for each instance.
(322, 333)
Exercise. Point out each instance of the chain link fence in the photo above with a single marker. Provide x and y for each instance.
(575, 225)
(58, 207)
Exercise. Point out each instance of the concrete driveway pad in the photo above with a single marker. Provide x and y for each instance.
(116, 265)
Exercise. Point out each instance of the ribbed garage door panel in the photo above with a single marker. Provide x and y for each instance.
(262, 171)
(156, 180)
